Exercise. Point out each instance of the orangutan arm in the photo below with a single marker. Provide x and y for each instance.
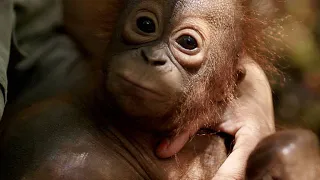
(249, 118)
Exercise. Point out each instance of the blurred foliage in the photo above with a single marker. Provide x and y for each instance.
(297, 100)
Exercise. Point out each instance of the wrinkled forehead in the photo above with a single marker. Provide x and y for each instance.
(205, 6)
(211, 10)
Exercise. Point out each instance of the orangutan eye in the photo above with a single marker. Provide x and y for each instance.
(146, 24)
(187, 42)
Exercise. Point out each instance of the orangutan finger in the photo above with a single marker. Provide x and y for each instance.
(170, 146)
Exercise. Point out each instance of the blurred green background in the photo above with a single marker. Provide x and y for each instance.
(297, 99)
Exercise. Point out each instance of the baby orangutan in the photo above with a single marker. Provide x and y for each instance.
(173, 69)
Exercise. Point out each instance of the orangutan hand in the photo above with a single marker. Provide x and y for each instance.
(249, 118)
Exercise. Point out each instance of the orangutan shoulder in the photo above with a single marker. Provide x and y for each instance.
(56, 141)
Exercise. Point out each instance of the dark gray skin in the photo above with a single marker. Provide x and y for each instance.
(41, 146)
(146, 75)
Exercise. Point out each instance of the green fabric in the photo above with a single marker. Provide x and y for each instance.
(28, 24)
(6, 25)
(35, 20)
(50, 62)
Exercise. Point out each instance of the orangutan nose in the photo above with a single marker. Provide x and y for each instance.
(156, 56)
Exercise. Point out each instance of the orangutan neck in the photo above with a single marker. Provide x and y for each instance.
(199, 159)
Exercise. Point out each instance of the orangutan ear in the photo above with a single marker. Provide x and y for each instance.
(245, 67)
(241, 74)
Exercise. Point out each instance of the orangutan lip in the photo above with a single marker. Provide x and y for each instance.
(139, 86)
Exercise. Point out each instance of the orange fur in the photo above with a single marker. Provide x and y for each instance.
(93, 27)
